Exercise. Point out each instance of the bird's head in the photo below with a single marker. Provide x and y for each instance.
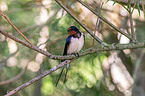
(72, 30)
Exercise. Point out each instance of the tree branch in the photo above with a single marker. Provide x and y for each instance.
(125, 2)
(38, 78)
(15, 27)
(131, 20)
(3, 62)
(19, 75)
(87, 51)
(105, 20)
(113, 47)
(14, 78)
(97, 27)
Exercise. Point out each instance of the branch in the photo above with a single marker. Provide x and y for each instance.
(38, 78)
(14, 78)
(79, 22)
(37, 49)
(19, 75)
(105, 20)
(116, 47)
(138, 65)
(97, 27)
(131, 20)
(87, 51)
(15, 27)
(132, 2)
(3, 62)
(24, 43)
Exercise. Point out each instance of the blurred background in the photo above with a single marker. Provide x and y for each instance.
(45, 24)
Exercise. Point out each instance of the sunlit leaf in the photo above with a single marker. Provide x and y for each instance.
(138, 7)
(127, 5)
(107, 1)
(114, 2)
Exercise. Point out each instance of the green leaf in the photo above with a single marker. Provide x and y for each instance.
(107, 1)
(127, 5)
(114, 2)
(138, 7)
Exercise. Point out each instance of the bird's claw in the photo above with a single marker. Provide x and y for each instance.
(75, 54)
(104, 44)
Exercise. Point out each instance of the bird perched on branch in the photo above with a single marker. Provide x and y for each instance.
(73, 45)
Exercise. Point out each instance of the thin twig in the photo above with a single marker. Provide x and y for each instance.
(19, 75)
(106, 21)
(125, 2)
(97, 22)
(15, 27)
(54, 41)
(38, 78)
(125, 7)
(3, 62)
(138, 63)
(14, 78)
(131, 20)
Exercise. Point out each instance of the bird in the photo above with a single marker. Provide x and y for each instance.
(73, 45)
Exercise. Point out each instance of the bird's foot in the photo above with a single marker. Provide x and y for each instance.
(76, 54)
(104, 45)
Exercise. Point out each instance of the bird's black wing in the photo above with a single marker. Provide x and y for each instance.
(67, 45)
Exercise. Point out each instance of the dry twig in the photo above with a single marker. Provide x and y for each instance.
(38, 78)
(15, 27)
(14, 78)
(3, 62)
(106, 21)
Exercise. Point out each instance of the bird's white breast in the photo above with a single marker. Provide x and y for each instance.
(76, 44)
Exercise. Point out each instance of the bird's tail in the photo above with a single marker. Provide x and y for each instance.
(61, 74)
(66, 73)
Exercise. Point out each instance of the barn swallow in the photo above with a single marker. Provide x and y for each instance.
(73, 45)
